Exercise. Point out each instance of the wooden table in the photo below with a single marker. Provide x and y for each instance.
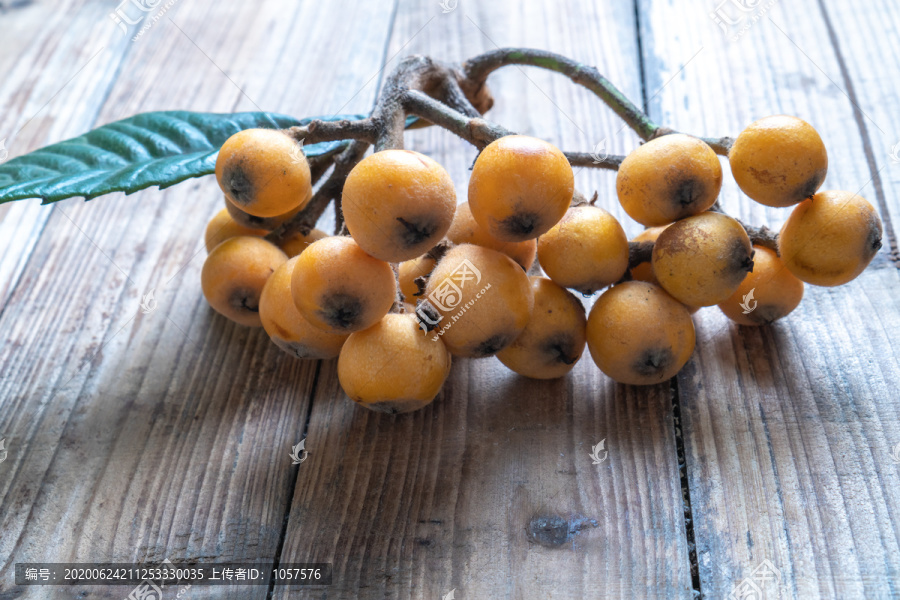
(142, 437)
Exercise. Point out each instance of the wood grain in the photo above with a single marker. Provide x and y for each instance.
(477, 493)
(789, 428)
(137, 437)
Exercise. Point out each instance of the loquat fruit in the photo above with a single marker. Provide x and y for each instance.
(222, 226)
(409, 271)
(298, 242)
(483, 297)
(638, 334)
(466, 230)
(644, 271)
(268, 223)
(263, 172)
(767, 294)
(586, 251)
(339, 288)
(779, 160)
(392, 366)
(554, 338)
(831, 238)
(701, 260)
(398, 204)
(234, 274)
(668, 178)
(520, 187)
(286, 326)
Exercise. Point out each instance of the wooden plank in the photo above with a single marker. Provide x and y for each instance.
(443, 499)
(139, 437)
(788, 429)
(57, 67)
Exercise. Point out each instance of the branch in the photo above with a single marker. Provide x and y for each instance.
(639, 252)
(454, 97)
(397, 307)
(478, 68)
(414, 72)
(338, 217)
(305, 220)
(480, 132)
(477, 131)
(584, 159)
(720, 145)
(319, 165)
(329, 131)
(761, 236)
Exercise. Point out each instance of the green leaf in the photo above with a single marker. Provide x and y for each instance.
(157, 148)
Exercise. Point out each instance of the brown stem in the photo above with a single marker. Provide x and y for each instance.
(338, 216)
(480, 132)
(421, 282)
(638, 253)
(416, 73)
(759, 236)
(390, 134)
(329, 131)
(440, 249)
(305, 220)
(762, 236)
(578, 199)
(479, 67)
(437, 252)
(454, 97)
(584, 159)
(477, 131)
(720, 145)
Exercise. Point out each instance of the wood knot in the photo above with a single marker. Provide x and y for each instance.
(553, 531)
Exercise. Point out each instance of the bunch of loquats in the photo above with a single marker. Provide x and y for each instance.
(418, 279)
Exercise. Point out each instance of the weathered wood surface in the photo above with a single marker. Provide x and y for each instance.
(139, 437)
